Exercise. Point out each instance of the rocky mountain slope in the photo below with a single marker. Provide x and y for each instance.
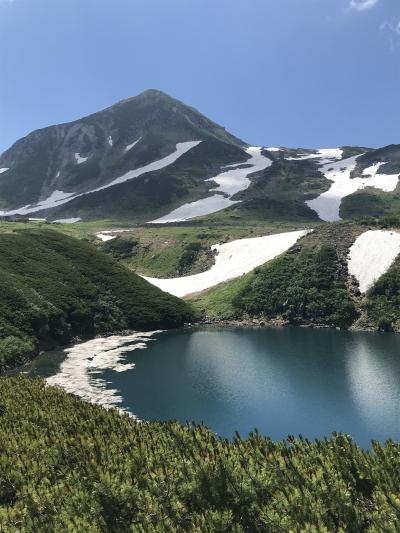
(151, 158)
(92, 152)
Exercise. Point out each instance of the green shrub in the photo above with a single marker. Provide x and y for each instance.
(54, 288)
(120, 247)
(382, 303)
(12, 348)
(189, 255)
(66, 465)
(302, 286)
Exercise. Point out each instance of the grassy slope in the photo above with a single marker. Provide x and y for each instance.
(160, 249)
(306, 285)
(54, 288)
(71, 466)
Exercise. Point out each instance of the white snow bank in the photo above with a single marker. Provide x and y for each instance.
(71, 220)
(105, 237)
(371, 255)
(327, 205)
(325, 154)
(181, 148)
(110, 140)
(58, 198)
(80, 159)
(229, 183)
(273, 149)
(3, 170)
(130, 146)
(233, 259)
(79, 372)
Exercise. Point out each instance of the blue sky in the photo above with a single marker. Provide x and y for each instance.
(312, 73)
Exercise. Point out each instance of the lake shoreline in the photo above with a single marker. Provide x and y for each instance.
(279, 323)
(234, 377)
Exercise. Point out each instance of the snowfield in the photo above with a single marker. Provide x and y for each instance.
(58, 198)
(233, 259)
(105, 237)
(79, 159)
(371, 255)
(181, 148)
(229, 182)
(130, 146)
(72, 220)
(327, 205)
(79, 372)
(325, 154)
(3, 170)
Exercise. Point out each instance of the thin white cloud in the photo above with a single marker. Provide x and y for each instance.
(362, 5)
(392, 31)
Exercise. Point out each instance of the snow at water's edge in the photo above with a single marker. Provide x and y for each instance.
(233, 259)
(229, 182)
(58, 198)
(371, 255)
(80, 372)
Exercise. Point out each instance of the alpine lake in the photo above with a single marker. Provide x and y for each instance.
(289, 381)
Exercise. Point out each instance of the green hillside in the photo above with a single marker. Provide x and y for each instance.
(55, 288)
(310, 285)
(67, 465)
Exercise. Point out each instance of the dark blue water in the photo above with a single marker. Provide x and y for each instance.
(281, 381)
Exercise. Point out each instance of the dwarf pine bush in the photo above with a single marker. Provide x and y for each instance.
(66, 465)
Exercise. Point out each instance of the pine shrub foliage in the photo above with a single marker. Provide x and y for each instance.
(66, 465)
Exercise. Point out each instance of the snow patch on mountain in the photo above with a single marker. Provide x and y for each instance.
(325, 154)
(79, 159)
(58, 198)
(55, 199)
(130, 146)
(229, 182)
(327, 205)
(71, 220)
(233, 259)
(110, 140)
(181, 148)
(3, 170)
(371, 255)
(105, 237)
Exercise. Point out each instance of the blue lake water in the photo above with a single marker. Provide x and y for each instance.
(281, 381)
